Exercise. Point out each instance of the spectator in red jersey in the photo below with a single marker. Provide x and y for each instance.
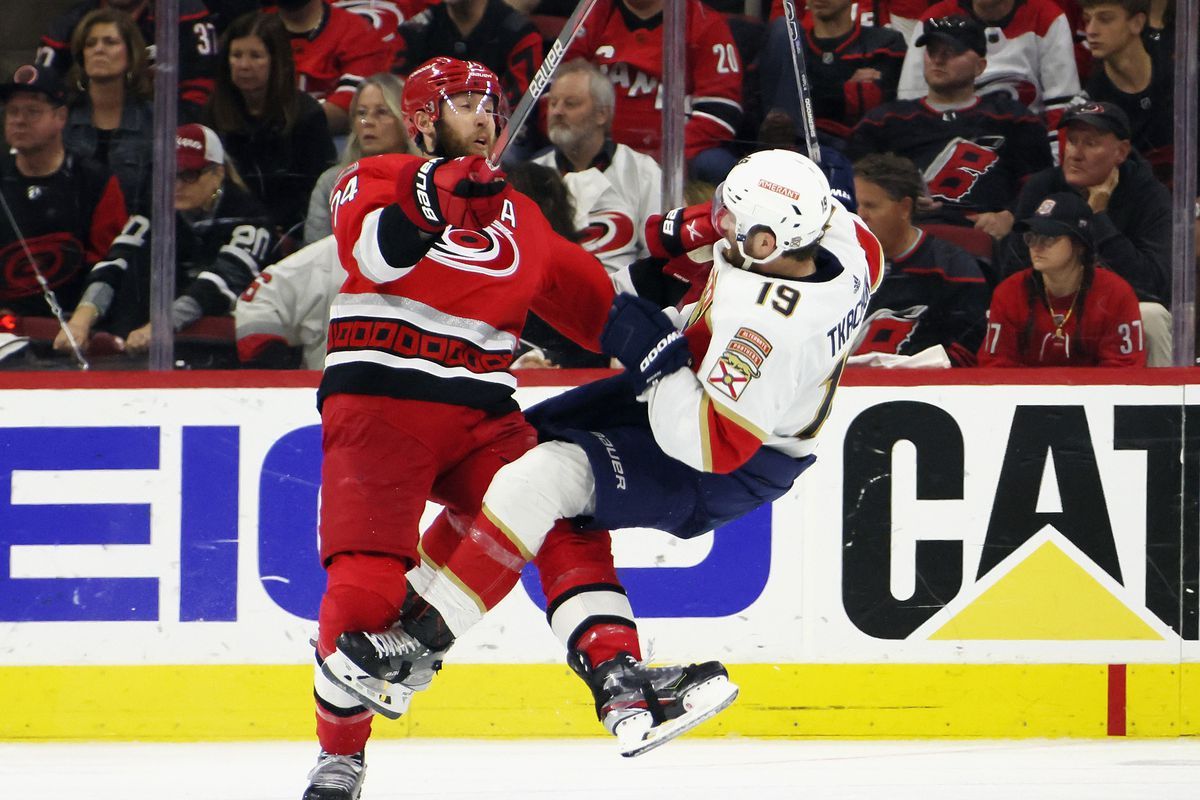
(1132, 223)
(65, 209)
(489, 32)
(110, 117)
(334, 49)
(624, 38)
(852, 67)
(276, 134)
(1130, 76)
(975, 152)
(933, 292)
(1029, 54)
(1063, 311)
(197, 45)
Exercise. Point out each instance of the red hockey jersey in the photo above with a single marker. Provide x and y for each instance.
(440, 321)
(629, 51)
(1105, 332)
(335, 57)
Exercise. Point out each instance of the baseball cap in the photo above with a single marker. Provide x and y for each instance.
(197, 146)
(963, 32)
(1062, 213)
(1104, 116)
(29, 78)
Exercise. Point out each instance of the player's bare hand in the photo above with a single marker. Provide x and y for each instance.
(865, 74)
(996, 224)
(1099, 195)
(138, 340)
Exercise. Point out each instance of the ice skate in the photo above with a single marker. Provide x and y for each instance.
(382, 669)
(336, 777)
(645, 707)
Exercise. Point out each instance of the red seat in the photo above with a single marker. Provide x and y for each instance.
(973, 240)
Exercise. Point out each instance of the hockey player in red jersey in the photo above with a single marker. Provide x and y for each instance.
(444, 261)
(716, 415)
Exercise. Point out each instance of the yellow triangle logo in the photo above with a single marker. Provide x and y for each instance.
(1047, 596)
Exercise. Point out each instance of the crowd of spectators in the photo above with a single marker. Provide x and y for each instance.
(1011, 153)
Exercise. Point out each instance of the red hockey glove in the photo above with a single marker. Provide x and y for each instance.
(462, 193)
(680, 230)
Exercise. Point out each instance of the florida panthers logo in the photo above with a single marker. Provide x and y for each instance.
(491, 251)
(607, 232)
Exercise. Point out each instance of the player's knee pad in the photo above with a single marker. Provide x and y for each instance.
(552, 481)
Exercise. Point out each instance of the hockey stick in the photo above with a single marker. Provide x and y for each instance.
(808, 120)
(47, 292)
(541, 79)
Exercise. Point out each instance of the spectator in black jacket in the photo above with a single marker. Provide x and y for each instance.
(933, 292)
(276, 134)
(1132, 222)
(222, 241)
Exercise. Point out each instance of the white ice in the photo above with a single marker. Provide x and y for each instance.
(688, 769)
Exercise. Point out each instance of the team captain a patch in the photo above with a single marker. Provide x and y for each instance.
(739, 363)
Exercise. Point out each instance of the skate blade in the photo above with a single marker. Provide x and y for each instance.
(390, 700)
(634, 736)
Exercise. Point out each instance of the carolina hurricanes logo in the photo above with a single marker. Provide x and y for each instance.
(607, 232)
(954, 173)
(888, 330)
(58, 256)
(491, 251)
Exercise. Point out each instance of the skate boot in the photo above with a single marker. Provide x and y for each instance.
(645, 707)
(336, 777)
(383, 670)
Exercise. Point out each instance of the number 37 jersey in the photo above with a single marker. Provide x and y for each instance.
(768, 353)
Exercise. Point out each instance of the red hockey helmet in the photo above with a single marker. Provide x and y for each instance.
(441, 78)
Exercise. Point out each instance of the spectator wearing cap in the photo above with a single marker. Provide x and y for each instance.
(63, 209)
(1131, 76)
(1064, 310)
(852, 67)
(1030, 53)
(933, 292)
(276, 134)
(974, 151)
(1132, 225)
(110, 117)
(222, 241)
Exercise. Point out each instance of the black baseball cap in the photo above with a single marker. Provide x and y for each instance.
(1062, 213)
(1103, 116)
(963, 32)
(42, 80)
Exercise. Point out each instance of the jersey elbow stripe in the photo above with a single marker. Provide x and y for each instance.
(219, 282)
(367, 254)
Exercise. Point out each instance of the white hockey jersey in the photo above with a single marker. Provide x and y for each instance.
(768, 353)
(1032, 57)
(290, 301)
(611, 206)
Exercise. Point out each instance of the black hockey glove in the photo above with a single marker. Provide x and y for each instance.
(642, 338)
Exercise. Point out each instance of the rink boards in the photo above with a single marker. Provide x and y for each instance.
(965, 559)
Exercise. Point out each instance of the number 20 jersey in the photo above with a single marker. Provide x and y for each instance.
(768, 353)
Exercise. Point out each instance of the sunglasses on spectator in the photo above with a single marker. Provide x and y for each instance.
(1040, 240)
(191, 175)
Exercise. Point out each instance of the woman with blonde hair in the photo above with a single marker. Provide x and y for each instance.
(376, 127)
(110, 117)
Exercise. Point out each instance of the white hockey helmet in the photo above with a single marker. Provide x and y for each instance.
(779, 190)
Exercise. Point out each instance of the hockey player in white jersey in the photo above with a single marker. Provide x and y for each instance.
(717, 413)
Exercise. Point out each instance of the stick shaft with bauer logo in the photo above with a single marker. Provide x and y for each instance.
(541, 79)
(808, 120)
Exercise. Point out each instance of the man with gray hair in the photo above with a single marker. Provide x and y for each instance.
(614, 188)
